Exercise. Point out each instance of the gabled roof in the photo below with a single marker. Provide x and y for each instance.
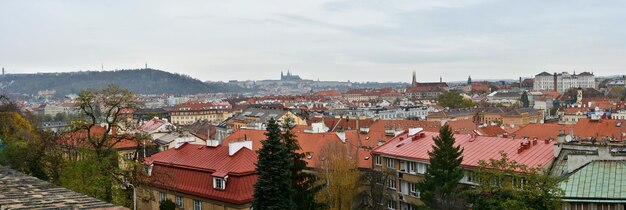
(189, 169)
(475, 149)
(544, 74)
(598, 180)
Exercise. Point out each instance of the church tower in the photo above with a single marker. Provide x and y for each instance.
(469, 80)
(414, 81)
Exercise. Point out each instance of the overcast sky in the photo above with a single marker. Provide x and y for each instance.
(357, 40)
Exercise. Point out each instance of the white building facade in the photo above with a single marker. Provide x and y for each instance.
(564, 81)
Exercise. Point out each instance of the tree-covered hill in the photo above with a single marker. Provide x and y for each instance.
(142, 81)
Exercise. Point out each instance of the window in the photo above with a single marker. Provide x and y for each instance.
(219, 183)
(413, 191)
(391, 183)
(518, 182)
(180, 202)
(391, 205)
(197, 205)
(377, 160)
(161, 196)
(411, 167)
(391, 163)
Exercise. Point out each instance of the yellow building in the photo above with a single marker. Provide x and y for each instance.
(193, 111)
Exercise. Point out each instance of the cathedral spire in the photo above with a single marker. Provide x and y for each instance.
(414, 81)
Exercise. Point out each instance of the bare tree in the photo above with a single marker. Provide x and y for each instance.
(340, 174)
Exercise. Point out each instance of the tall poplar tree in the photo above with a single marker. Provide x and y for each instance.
(273, 189)
(439, 189)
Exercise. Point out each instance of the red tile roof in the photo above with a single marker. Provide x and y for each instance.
(189, 169)
(576, 110)
(328, 93)
(475, 149)
(78, 139)
(381, 125)
(309, 142)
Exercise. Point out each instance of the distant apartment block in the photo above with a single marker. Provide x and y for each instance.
(562, 82)
(193, 111)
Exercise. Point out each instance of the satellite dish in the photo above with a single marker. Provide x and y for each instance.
(568, 138)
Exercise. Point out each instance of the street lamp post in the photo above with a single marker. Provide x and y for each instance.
(134, 194)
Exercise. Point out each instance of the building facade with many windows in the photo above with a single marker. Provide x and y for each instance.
(564, 81)
(405, 160)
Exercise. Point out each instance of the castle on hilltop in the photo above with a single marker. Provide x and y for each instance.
(289, 76)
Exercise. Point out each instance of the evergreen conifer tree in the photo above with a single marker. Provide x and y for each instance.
(524, 99)
(439, 189)
(303, 183)
(273, 189)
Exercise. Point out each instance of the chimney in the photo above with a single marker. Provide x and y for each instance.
(555, 82)
(413, 131)
(234, 147)
(341, 136)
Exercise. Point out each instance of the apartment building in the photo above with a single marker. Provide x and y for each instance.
(193, 111)
(405, 158)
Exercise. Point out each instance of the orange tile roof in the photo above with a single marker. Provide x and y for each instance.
(465, 126)
(605, 128)
(541, 131)
(493, 131)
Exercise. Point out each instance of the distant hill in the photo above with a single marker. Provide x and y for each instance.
(142, 81)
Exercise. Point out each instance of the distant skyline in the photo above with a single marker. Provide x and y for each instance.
(356, 40)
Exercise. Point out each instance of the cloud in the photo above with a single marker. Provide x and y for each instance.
(353, 40)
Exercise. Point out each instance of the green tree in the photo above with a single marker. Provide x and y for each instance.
(505, 184)
(440, 188)
(524, 99)
(273, 189)
(304, 184)
(454, 100)
(167, 204)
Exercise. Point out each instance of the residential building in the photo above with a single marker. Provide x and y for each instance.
(202, 177)
(405, 158)
(259, 117)
(192, 111)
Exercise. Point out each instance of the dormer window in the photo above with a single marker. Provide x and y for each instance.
(219, 183)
